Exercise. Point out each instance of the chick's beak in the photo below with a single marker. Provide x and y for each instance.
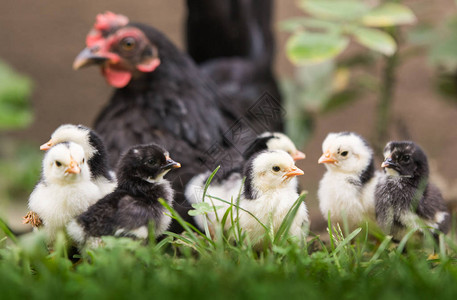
(388, 163)
(73, 168)
(298, 155)
(47, 146)
(88, 57)
(327, 158)
(294, 171)
(171, 164)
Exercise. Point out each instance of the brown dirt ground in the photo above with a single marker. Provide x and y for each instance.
(41, 39)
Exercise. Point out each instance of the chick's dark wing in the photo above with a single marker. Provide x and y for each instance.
(99, 219)
(134, 213)
(433, 208)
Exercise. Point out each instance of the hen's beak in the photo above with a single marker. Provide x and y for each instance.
(294, 171)
(47, 146)
(73, 168)
(88, 57)
(171, 164)
(327, 158)
(298, 155)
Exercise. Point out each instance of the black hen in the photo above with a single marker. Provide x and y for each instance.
(233, 43)
(162, 97)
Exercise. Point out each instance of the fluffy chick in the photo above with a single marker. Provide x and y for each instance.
(229, 187)
(65, 189)
(404, 197)
(95, 151)
(273, 141)
(347, 189)
(129, 209)
(268, 193)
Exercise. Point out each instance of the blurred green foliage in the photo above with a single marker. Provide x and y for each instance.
(330, 24)
(15, 91)
(20, 165)
(19, 162)
(440, 41)
(324, 81)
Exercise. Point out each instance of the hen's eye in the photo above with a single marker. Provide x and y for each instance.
(276, 168)
(128, 43)
(344, 153)
(58, 163)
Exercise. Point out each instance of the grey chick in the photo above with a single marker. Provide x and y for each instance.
(404, 197)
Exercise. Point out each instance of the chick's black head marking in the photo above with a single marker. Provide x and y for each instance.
(146, 163)
(407, 159)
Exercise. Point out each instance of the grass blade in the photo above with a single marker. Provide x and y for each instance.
(284, 228)
(7, 231)
(189, 228)
(346, 241)
(205, 190)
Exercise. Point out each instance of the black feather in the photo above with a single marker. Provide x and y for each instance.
(234, 45)
(249, 192)
(99, 162)
(259, 144)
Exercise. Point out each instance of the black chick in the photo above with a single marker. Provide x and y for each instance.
(134, 203)
(404, 197)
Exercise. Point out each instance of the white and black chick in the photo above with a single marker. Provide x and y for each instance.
(273, 141)
(95, 151)
(405, 199)
(346, 191)
(229, 186)
(64, 191)
(268, 194)
(133, 205)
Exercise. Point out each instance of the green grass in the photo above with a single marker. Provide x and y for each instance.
(355, 268)
(362, 264)
(193, 266)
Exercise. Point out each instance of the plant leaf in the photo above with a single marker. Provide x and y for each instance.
(202, 208)
(300, 23)
(375, 39)
(15, 90)
(311, 48)
(335, 10)
(389, 14)
(444, 54)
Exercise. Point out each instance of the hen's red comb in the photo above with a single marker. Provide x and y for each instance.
(109, 20)
(105, 22)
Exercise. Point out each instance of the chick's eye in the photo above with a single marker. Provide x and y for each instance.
(276, 168)
(84, 160)
(128, 43)
(58, 163)
(344, 153)
(150, 162)
(406, 158)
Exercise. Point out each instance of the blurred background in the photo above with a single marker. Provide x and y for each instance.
(345, 91)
